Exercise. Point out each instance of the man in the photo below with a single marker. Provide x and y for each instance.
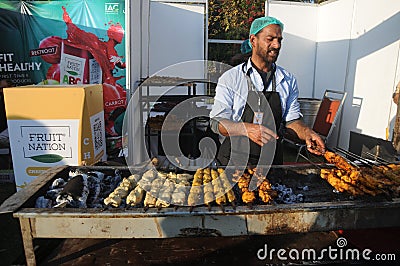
(253, 100)
(396, 93)
(396, 129)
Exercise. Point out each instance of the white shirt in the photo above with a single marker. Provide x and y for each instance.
(232, 89)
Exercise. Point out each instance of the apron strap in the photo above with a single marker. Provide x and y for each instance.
(272, 79)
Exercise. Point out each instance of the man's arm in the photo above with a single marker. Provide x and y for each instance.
(314, 142)
(257, 133)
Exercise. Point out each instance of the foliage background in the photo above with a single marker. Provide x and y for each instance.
(231, 20)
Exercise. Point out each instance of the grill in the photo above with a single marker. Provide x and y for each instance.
(320, 208)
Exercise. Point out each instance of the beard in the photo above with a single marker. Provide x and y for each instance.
(269, 56)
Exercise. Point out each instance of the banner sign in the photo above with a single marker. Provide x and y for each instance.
(68, 42)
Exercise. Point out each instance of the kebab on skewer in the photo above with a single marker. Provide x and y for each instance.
(355, 180)
(248, 196)
(150, 199)
(179, 195)
(147, 178)
(337, 183)
(120, 192)
(219, 191)
(184, 177)
(135, 197)
(228, 187)
(265, 191)
(164, 195)
(208, 190)
(196, 192)
(339, 161)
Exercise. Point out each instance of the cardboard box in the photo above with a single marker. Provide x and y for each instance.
(54, 125)
(78, 66)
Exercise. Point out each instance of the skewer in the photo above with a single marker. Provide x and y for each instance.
(373, 166)
(311, 162)
(161, 163)
(355, 156)
(176, 207)
(377, 158)
(107, 207)
(222, 207)
(233, 205)
(361, 159)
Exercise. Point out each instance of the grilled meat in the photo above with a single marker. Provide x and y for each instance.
(135, 197)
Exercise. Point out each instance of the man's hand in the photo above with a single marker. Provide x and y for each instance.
(315, 144)
(257, 133)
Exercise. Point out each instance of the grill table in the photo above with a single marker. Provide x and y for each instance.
(125, 223)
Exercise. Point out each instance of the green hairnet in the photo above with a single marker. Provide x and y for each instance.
(245, 47)
(259, 24)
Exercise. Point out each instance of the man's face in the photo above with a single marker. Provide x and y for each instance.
(267, 43)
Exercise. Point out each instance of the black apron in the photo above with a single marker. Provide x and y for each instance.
(240, 150)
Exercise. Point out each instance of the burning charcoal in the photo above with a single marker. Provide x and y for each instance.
(299, 198)
(58, 183)
(98, 175)
(305, 188)
(109, 183)
(53, 193)
(107, 186)
(42, 202)
(286, 195)
(94, 185)
(65, 201)
(74, 193)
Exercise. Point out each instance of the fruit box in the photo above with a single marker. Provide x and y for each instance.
(54, 125)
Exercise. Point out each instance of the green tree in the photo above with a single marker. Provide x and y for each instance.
(231, 19)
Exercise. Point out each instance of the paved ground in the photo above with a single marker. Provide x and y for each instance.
(182, 251)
